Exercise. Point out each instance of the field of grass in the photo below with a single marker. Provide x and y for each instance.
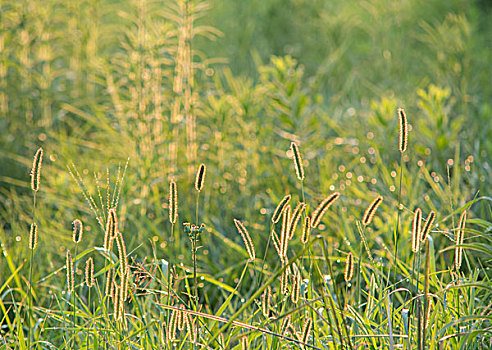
(245, 175)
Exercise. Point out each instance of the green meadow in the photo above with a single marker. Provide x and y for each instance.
(275, 174)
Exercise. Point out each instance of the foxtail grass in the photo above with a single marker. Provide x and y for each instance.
(322, 208)
(33, 234)
(297, 161)
(371, 211)
(427, 226)
(250, 248)
(460, 236)
(349, 267)
(280, 208)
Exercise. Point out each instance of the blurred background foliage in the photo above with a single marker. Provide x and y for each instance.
(95, 83)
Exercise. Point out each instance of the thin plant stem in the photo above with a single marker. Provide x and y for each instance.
(74, 301)
(30, 276)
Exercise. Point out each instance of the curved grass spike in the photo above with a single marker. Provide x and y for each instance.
(36, 170)
(349, 267)
(109, 285)
(297, 161)
(122, 252)
(70, 277)
(190, 326)
(77, 230)
(246, 238)
(280, 208)
(306, 330)
(403, 130)
(460, 236)
(306, 230)
(200, 177)
(296, 286)
(173, 202)
(266, 300)
(111, 229)
(89, 272)
(427, 226)
(296, 216)
(244, 343)
(416, 227)
(33, 236)
(180, 319)
(322, 208)
(284, 279)
(284, 232)
(371, 211)
(285, 325)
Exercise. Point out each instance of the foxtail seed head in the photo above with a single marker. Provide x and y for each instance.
(416, 227)
(371, 210)
(36, 170)
(70, 277)
(265, 301)
(190, 326)
(306, 330)
(33, 236)
(280, 208)
(460, 237)
(427, 226)
(322, 208)
(349, 267)
(173, 202)
(246, 238)
(296, 287)
(200, 177)
(296, 216)
(297, 161)
(306, 230)
(403, 130)
(77, 230)
(89, 272)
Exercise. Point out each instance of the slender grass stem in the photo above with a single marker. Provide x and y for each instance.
(74, 293)
(31, 257)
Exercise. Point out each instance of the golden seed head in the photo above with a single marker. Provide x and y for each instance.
(296, 287)
(403, 130)
(77, 230)
(200, 177)
(296, 216)
(173, 202)
(297, 161)
(280, 208)
(306, 330)
(306, 230)
(109, 283)
(371, 210)
(190, 326)
(70, 276)
(250, 248)
(416, 228)
(349, 267)
(427, 226)
(322, 208)
(33, 236)
(89, 272)
(36, 170)
(265, 301)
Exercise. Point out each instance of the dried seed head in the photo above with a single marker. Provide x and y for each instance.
(416, 226)
(173, 325)
(111, 228)
(280, 208)
(297, 161)
(190, 326)
(403, 130)
(284, 278)
(266, 299)
(284, 232)
(349, 267)
(77, 230)
(244, 343)
(36, 170)
(427, 226)
(33, 236)
(296, 286)
(122, 255)
(306, 330)
(322, 208)
(200, 177)
(70, 277)
(109, 283)
(460, 237)
(296, 216)
(285, 325)
(89, 272)
(306, 230)
(371, 210)
(181, 318)
(246, 238)
(173, 202)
